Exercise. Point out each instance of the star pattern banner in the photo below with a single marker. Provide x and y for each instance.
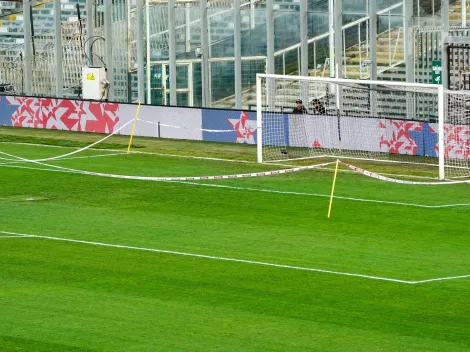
(62, 114)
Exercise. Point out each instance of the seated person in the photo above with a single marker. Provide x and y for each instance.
(318, 108)
(299, 109)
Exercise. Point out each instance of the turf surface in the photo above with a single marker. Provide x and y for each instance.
(75, 296)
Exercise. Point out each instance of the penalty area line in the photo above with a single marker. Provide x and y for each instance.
(227, 259)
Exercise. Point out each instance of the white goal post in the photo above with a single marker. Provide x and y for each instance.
(374, 120)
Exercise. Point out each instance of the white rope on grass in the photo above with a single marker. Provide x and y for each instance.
(184, 178)
(403, 182)
(78, 150)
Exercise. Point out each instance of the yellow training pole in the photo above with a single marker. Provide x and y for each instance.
(333, 188)
(133, 127)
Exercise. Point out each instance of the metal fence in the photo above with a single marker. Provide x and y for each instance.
(84, 29)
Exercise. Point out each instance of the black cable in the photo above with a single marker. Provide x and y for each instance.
(88, 58)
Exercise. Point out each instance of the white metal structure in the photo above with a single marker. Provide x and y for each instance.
(373, 120)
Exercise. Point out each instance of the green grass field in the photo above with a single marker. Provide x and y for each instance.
(92, 263)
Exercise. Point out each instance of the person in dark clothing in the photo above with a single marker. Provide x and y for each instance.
(318, 108)
(299, 109)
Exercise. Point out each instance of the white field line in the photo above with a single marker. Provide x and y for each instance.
(444, 278)
(227, 259)
(272, 191)
(209, 257)
(17, 236)
(211, 159)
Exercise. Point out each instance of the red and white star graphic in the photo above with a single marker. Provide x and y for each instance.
(245, 128)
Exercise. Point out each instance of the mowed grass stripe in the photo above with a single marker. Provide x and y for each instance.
(180, 303)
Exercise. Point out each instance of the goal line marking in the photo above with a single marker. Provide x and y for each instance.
(227, 259)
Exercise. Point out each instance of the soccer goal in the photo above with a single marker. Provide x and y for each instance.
(374, 120)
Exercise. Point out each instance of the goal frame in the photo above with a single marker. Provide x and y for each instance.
(438, 88)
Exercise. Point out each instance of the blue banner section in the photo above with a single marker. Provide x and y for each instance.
(276, 130)
(426, 140)
(6, 111)
(229, 126)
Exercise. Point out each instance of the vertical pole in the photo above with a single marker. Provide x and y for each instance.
(331, 25)
(359, 45)
(238, 54)
(148, 52)
(89, 31)
(139, 22)
(441, 104)
(188, 27)
(464, 13)
(407, 7)
(172, 50)
(338, 24)
(315, 57)
(28, 54)
(58, 49)
(191, 84)
(108, 34)
(444, 34)
(252, 14)
(303, 38)
(418, 13)
(333, 188)
(390, 38)
(373, 55)
(408, 39)
(205, 54)
(259, 126)
(304, 50)
(164, 85)
(270, 35)
(373, 39)
(270, 53)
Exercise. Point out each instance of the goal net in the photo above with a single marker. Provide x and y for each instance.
(374, 120)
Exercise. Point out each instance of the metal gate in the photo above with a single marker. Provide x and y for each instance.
(458, 67)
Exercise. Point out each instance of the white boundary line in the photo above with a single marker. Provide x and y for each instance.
(272, 191)
(17, 236)
(227, 259)
(403, 182)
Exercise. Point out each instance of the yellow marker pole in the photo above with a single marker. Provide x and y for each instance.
(333, 188)
(133, 127)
